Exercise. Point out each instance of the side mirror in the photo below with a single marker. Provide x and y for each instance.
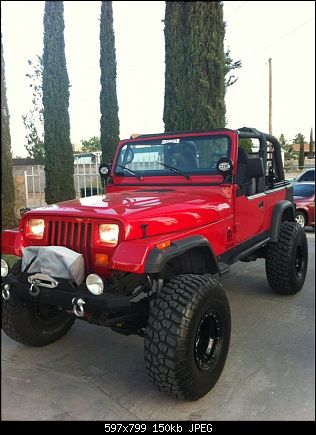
(225, 167)
(105, 171)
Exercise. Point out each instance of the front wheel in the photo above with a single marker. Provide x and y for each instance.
(32, 324)
(188, 335)
(286, 260)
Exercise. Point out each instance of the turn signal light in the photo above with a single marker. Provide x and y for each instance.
(163, 245)
(102, 259)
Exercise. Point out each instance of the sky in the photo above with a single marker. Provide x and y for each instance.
(255, 31)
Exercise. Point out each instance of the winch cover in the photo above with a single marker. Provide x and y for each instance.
(55, 261)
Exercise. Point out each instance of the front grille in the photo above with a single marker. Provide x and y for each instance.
(73, 235)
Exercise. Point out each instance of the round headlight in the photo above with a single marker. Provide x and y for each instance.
(4, 268)
(95, 284)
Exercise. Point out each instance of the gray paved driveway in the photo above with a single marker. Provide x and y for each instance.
(94, 374)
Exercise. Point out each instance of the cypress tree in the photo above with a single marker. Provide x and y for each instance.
(300, 139)
(108, 99)
(311, 144)
(7, 184)
(59, 164)
(196, 66)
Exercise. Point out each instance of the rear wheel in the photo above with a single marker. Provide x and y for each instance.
(286, 260)
(188, 335)
(32, 324)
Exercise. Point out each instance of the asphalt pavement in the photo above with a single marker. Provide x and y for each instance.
(95, 374)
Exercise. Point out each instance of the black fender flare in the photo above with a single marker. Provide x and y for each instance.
(283, 207)
(158, 258)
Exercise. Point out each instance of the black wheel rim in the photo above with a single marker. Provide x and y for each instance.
(207, 341)
(300, 260)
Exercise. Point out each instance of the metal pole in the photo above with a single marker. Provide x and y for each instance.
(97, 174)
(26, 189)
(91, 179)
(84, 180)
(39, 184)
(33, 185)
(78, 181)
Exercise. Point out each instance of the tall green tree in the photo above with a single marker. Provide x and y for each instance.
(196, 66)
(33, 121)
(311, 144)
(110, 126)
(7, 183)
(59, 164)
(300, 139)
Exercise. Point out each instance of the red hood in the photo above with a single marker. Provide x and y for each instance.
(163, 210)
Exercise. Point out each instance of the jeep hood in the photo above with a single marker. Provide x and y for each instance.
(161, 210)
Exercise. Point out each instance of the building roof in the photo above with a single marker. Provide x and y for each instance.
(296, 147)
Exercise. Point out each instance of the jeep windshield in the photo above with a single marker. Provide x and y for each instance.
(183, 156)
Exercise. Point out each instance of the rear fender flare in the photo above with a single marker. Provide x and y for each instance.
(283, 210)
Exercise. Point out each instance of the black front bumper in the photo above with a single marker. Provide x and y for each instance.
(64, 294)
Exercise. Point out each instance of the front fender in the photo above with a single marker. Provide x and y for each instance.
(130, 256)
(142, 255)
(157, 258)
(12, 242)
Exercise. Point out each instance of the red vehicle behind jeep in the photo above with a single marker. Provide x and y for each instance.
(178, 209)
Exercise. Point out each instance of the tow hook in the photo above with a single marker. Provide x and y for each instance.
(34, 290)
(78, 307)
(6, 292)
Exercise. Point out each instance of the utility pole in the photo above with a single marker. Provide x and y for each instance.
(270, 95)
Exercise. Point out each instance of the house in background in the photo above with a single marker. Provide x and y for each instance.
(296, 149)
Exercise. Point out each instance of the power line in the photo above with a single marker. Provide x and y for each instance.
(281, 37)
(236, 9)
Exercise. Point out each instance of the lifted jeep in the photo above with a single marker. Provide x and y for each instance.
(177, 210)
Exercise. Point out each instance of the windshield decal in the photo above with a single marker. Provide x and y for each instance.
(170, 141)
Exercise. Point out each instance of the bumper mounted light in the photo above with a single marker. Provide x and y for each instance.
(95, 284)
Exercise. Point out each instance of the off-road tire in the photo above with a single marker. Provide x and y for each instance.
(286, 259)
(187, 314)
(30, 324)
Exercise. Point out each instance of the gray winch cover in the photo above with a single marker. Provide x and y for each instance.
(55, 261)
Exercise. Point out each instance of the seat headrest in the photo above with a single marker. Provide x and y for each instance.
(242, 155)
(255, 167)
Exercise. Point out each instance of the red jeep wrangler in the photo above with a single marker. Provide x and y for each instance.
(178, 209)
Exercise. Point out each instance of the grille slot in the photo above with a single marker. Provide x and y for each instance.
(73, 235)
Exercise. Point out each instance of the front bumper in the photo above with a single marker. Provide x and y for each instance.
(64, 294)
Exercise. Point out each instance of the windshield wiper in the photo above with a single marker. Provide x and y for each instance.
(130, 171)
(175, 170)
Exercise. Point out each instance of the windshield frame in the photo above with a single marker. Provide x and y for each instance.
(162, 174)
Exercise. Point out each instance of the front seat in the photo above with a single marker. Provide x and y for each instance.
(182, 155)
(244, 180)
